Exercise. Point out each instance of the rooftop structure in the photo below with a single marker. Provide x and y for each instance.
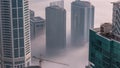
(106, 31)
(58, 3)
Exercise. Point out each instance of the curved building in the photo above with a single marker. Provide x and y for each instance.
(82, 19)
(15, 44)
(55, 29)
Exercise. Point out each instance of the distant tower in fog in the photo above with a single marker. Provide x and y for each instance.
(82, 18)
(36, 25)
(55, 28)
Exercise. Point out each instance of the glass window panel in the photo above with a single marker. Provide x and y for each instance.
(16, 43)
(20, 12)
(20, 3)
(21, 52)
(21, 42)
(15, 33)
(14, 13)
(14, 23)
(7, 66)
(20, 23)
(21, 33)
(16, 53)
(13, 3)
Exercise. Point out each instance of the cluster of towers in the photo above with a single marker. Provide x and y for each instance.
(82, 19)
(15, 45)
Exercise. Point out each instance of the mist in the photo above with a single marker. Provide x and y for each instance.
(75, 57)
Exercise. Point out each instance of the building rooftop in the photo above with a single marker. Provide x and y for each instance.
(37, 19)
(59, 3)
(56, 7)
(82, 3)
(105, 30)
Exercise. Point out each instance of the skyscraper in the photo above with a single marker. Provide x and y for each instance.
(37, 25)
(55, 28)
(104, 48)
(116, 16)
(15, 44)
(82, 18)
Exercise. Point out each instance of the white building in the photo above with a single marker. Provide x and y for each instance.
(15, 34)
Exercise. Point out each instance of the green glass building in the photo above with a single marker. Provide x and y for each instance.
(104, 50)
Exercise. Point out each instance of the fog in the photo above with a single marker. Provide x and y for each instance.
(76, 58)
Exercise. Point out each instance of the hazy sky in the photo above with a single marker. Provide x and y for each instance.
(103, 9)
(76, 58)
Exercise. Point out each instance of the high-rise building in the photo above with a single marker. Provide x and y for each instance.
(116, 16)
(55, 28)
(32, 14)
(37, 25)
(82, 18)
(104, 48)
(15, 47)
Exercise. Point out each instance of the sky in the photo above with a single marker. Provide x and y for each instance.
(76, 58)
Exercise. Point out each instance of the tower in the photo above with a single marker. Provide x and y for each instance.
(55, 28)
(82, 19)
(15, 44)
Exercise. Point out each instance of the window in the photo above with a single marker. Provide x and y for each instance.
(13, 3)
(21, 52)
(21, 33)
(14, 13)
(21, 42)
(16, 53)
(16, 43)
(7, 66)
(15, 33)
(20, 3)
(20, 12)
(14, 23)
(20, 23)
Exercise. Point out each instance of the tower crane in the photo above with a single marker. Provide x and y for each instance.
(43, 59)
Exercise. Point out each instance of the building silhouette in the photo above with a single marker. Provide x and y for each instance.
(37, 24)
(55, 28)
(15, 47)
(82, 19)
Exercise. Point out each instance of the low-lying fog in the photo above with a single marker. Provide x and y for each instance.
(76, 58)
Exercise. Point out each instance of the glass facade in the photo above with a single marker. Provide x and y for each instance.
(15, 33)
(103, 52)
(55, 37)
(82, 18)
